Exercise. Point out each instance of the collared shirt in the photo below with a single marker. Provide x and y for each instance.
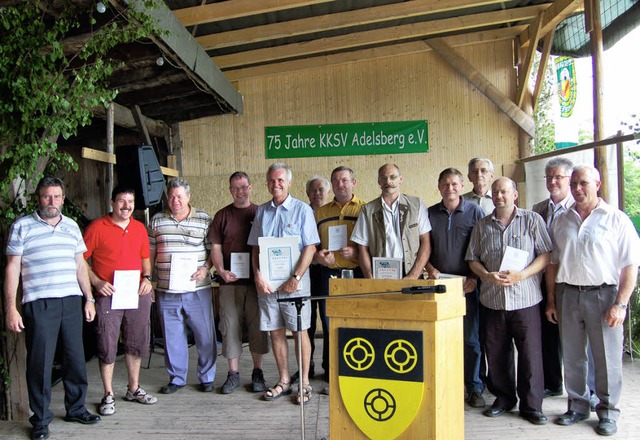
(289, 219)
(485, 201)
(168, 236)
(489, 241)
(393, 238)
(451, 234)
(594, 251)
(48, 254)
(112, 247)
(332, 214)
(549, 210)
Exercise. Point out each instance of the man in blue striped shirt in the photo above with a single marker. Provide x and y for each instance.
(508, 251)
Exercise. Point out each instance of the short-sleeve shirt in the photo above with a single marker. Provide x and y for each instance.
(230, 228)
(594, 251)
(485, 201)
(48, 254)
(112, 247)
(489, 240)
(168, 236)
(450, 235)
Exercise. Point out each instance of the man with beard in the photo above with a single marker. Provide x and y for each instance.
(46, 249)
(394, 225)
(117, 242)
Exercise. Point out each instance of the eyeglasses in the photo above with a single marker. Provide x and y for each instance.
(557, 178)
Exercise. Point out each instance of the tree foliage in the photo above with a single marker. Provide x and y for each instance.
(48, 89)
(545, 139)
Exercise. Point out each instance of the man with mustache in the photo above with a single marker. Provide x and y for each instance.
(45, 248)
(118, 242)
(394, 225)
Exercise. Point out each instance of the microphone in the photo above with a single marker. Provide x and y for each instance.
(438, 288)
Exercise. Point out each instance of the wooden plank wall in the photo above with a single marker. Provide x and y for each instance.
(462, 122)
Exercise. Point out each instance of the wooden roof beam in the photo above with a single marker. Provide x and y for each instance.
(524, 71)
(378, 36)
(542, 67)
(557, 11)
(341, 20)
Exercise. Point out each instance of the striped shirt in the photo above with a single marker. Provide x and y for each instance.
(168, 236)
(332, 214)
(489, 240)
(48, 254)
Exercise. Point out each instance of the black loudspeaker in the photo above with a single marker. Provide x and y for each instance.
(137, 167)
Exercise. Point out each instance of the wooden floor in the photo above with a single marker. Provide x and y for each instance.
(191, 414)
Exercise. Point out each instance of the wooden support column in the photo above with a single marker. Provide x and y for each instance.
(110, 150)
(594, 27)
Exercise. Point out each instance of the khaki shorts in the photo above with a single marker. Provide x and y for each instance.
(238, 306)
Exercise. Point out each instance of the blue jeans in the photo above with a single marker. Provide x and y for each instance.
(195, 310)
(471, 323)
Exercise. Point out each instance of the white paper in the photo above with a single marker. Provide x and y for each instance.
(278, 257)
(182, 267)
(337, 237)
(387, 268)
(514, 259)
(126, 284)
(240, 264)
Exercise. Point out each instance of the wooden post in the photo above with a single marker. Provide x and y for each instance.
(110, 148)
(594, 27)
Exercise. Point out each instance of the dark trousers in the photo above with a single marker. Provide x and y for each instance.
(44, 321)
(551, 353)
(503, 330)
(320, 276)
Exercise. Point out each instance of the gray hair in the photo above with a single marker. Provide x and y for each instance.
(593, 171)
(179, 182)
(475, 160)
(280, 166)
(325, 182)
(559, 162)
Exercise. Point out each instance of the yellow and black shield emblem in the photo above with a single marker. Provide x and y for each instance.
(381, 378)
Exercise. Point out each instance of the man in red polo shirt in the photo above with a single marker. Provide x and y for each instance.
(117, 242)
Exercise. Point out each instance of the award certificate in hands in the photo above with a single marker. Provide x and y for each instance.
(182, 267)
(126, 283)
(278, 257)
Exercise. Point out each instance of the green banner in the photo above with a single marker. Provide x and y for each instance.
(346, 139)
(567, 85)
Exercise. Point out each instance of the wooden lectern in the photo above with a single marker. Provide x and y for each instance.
(434, 321)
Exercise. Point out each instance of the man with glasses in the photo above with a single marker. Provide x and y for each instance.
(46, 248)
(228, 235)
(593, 272)
(481, 175)
(557, 173)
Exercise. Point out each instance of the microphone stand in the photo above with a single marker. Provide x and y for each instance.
(298, 301)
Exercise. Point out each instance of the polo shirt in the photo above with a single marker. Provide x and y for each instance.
(485, 201)
(489, 240)
(594, 251)
(112, 248)
(168, 236)
(49, 268)
(450, 235)
(332, 214)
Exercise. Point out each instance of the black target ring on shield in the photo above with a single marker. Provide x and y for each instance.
(379, 404)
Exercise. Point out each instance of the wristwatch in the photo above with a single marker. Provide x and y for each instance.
(620, 305)
(149, 277)
(297, 277)
(91, 300)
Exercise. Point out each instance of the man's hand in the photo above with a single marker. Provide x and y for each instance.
(432, 272)
(469, 285)
(89, 311)
(349, 252)
(289, 286)
(614, 316)
(199, 274)
(14, 321)
(145, 287)
(262, 287)
(551, 312)
(104, 288)
(228, 276)
(325, 257)
(505, 278)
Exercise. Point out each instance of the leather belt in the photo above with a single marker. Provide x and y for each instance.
(586, 288)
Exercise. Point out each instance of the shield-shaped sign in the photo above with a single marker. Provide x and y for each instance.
(381, 379)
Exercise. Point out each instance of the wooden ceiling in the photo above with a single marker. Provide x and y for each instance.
(248, 38)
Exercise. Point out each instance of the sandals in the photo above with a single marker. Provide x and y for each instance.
(306, 394)
(273, 393)
(140, 396)
(107, 405)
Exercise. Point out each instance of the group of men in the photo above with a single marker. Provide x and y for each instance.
(500, 249)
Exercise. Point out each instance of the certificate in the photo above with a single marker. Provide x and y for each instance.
(240, 264)
(278, 257)
(337, 237)
(387, 268)
(182, 267)
(514, 259)
(126, 284)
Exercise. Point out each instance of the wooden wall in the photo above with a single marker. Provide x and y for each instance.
(463, 123)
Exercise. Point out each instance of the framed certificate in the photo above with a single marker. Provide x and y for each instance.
(387, 268)
(278, 256)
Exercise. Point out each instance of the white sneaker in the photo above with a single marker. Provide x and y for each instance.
(107, 405)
